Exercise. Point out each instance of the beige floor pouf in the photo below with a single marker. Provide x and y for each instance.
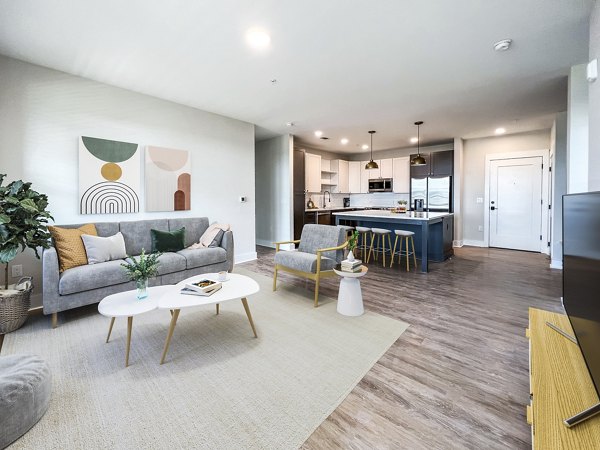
(25, 387)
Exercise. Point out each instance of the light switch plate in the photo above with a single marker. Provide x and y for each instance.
(17, 270)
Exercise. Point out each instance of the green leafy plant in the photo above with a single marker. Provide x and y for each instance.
(23, 219)
(352, 241)
(142, 268)
(402, 202)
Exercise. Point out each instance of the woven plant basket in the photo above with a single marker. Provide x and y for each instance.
(14, 309)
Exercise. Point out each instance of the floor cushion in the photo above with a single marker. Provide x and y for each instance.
(25, 388)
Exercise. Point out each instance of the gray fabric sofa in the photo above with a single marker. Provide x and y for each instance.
(89, 284)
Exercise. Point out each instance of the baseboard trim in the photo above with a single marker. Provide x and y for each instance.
(265, 243)
(458, 244)
(474, 243)
(245, 257)
(556, 264)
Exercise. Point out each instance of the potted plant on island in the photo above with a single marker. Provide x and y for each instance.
(23, 219)
(402, 206)
(141, 270)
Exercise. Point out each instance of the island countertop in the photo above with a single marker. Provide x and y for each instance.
(385, 214)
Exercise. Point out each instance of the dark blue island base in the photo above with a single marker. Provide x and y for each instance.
(433, 236)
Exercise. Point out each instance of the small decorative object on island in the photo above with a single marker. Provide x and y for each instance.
(23, 219)
(402, 206)
(141, 270)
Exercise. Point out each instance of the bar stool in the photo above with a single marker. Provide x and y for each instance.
(380, 233)
(404, 236)
(364, 235)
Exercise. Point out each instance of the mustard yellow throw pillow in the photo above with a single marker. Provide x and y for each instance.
(69, 245)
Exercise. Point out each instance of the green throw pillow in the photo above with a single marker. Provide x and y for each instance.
(168, 241)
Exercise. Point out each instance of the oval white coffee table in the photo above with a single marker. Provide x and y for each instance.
(350, 301)
(126, 304)
(236, 287)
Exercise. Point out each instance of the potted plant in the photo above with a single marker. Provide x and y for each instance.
(141, 270)
(402, 206)
(352, 242)
(23, 219)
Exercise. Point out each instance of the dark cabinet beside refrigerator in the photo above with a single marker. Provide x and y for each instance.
(439, 164)
(421, 171)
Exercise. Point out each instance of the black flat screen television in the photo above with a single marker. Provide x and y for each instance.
(581, 274)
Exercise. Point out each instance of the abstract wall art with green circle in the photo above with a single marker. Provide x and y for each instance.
(109, 176)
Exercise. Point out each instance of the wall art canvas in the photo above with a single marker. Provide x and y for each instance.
(168, 179)
(109, 176)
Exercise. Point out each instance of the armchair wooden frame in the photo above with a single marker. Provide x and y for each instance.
(316, 277)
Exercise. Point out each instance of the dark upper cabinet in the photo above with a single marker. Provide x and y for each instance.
(421, 171)
(442, 163)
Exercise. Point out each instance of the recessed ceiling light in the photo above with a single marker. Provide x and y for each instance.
(365, 147)
(344, 141)
(257, 38)
(500, 130)
(414, 140)
(318, 133)
(503, 45)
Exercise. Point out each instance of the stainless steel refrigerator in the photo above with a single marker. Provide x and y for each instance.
(436, 193)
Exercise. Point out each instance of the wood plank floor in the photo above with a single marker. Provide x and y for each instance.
(458, 377)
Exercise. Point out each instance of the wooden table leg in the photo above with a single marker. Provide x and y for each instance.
(217, 309)
(129, 326)
(112, 322)
(247, 308)
(170, 335)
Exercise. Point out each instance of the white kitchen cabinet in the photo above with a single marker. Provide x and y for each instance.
(386, 168)
(354, 172)
(365, 175)
(312, 172)
(401, 175)
(341, 176)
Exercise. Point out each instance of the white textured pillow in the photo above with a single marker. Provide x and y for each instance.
(102, 249)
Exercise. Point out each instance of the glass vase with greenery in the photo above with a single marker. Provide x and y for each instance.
(23, 219)
(141, 269)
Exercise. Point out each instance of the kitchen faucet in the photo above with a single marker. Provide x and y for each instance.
(324, 202)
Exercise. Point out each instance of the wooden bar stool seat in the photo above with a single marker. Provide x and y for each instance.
(380, 234)
(404, 236)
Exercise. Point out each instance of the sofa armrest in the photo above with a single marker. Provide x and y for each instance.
(50, 276)
(227, 244)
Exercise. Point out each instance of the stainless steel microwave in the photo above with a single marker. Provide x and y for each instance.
(380, 185)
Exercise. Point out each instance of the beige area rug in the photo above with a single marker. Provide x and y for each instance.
(220, 388)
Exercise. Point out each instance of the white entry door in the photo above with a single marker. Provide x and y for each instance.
(515, 207)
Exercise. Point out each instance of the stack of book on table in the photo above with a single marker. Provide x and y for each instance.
(351, 266)
(202, 288)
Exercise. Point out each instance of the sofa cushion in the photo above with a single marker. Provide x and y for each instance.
(137, 234)
(203, 256)
(88, 277)
(194, 228)
(101, 249)
(69, 246)
(305, 262)
(170, 262)
(168, 241)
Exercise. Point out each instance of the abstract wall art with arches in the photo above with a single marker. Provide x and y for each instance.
(168, 179)
(109, 176)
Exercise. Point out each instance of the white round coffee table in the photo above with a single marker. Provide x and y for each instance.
(236, 287)
(350, 301)
(126, 304)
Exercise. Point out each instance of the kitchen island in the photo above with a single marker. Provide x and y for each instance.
(433, 231)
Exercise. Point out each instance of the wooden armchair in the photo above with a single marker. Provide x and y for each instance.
(320, 250)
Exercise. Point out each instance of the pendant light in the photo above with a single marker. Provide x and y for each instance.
(371, 164)
(418, 160)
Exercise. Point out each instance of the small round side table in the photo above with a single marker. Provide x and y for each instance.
(350, 301)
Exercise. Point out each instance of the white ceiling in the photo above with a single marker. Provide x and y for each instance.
(342, 66)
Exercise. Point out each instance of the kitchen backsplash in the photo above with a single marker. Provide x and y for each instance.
(385, 199)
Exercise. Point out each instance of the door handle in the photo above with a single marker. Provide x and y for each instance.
(493, 208)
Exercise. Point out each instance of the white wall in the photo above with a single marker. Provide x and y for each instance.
(577, 130)
(43, 112)
(474, 153)
(594, 103)
(458, 181)
(274, 208)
